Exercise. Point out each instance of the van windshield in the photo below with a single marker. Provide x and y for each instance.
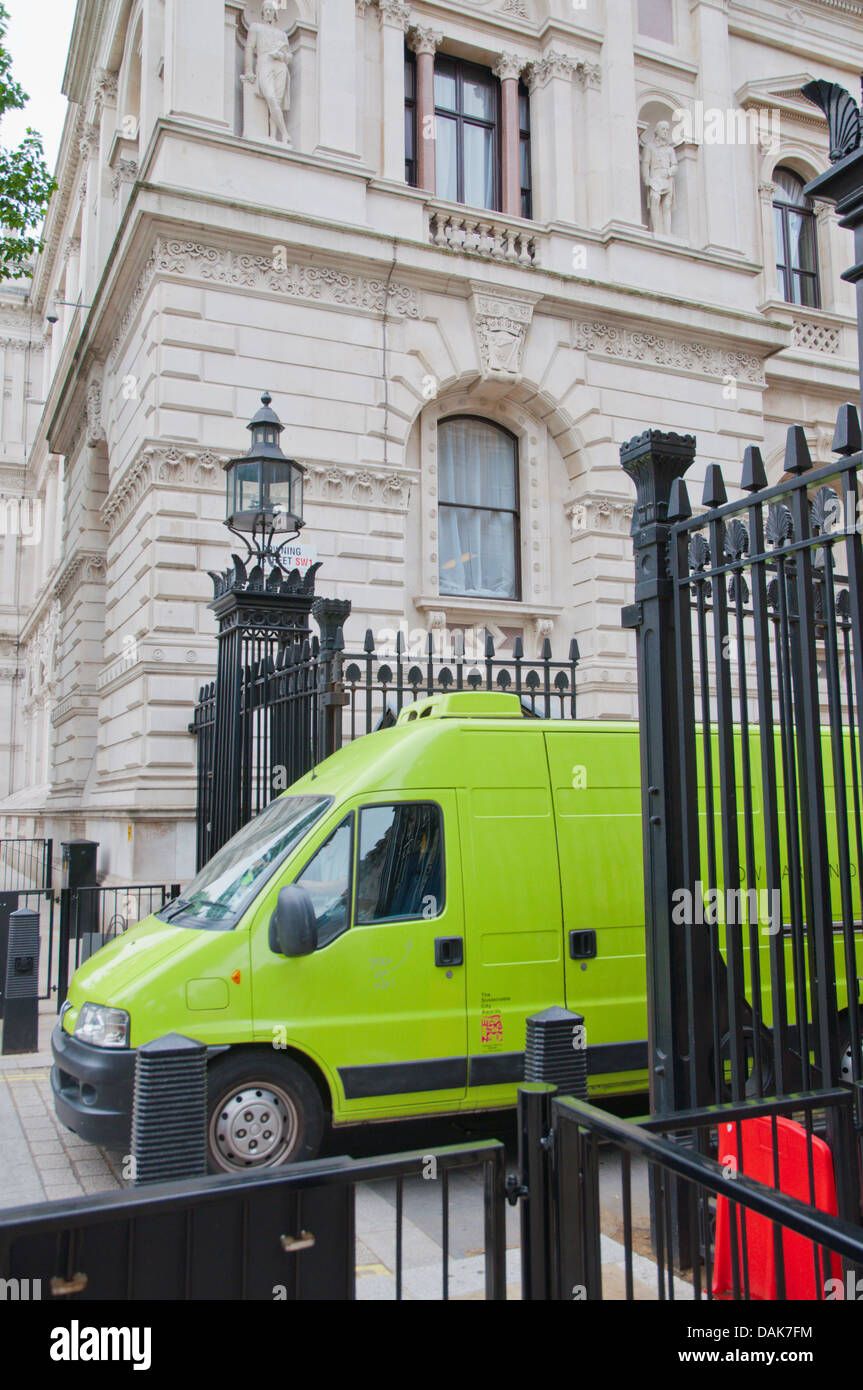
(219, 895)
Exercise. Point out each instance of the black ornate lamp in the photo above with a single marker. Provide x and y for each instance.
(264, 490)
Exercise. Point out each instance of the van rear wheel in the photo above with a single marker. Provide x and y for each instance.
(263, 1111)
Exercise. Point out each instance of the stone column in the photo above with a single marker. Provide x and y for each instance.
(395, 19)
(195, 59)
(769, 286)
(424, 42)
(508, 68)
(554, 155)
(623, 174)
(337, 79)
(719, 161)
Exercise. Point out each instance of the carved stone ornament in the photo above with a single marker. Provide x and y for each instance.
(95, 430)
(509, 65)
(394, 13)
(501, 325)
(425, 40)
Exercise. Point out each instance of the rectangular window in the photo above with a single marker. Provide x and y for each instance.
(524, 150)
(467, 142)
(400, 869)
(656, 19)
(411, 172)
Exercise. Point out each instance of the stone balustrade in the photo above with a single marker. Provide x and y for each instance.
(479, 236)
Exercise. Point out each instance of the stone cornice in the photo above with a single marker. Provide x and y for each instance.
(82, 566)
(159, 464)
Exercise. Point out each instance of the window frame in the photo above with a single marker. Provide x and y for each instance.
(786, 276)
(388, 921)
(411, 165)
(349, 816)
(461, 66)
(515, 597)
(524, 138)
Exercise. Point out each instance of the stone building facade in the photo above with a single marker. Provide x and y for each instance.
(392, 215)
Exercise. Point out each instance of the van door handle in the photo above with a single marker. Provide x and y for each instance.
(448, 950)
(582, 945)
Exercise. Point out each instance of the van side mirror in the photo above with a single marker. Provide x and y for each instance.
(293, 925)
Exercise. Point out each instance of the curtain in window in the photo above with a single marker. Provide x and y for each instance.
(478, 506)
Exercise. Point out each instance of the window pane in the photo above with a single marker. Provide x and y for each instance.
(477, 550)
(446, 159)
(801, 238)
(476, 465)
(807, 291)
(445, 85)
(326, 879)
(410, 78)
(524, 111)
(478, 166)
(656, 19)
(779, 235)
(525, 165)
(400, 870)
(478, 95)
(789, 186)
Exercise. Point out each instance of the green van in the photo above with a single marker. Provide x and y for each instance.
(370, 946)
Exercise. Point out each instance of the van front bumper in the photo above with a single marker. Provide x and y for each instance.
(92, 1088)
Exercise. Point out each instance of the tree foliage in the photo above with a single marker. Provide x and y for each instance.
(25, 183)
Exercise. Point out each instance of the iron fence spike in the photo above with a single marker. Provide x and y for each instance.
(754, 476)
(714, 494)
(846, 438)
(797, 456)
(679, 506)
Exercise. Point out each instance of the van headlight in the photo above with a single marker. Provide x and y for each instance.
(102, 1026)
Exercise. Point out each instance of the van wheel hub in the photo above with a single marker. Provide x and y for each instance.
(255, 1126)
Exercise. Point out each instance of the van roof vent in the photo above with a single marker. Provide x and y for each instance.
(464, 704)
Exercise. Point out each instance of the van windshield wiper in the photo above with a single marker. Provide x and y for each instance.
(173, 905)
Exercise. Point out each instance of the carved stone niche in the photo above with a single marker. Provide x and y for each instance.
(267, 70)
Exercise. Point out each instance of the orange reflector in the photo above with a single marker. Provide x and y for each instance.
(236, 977)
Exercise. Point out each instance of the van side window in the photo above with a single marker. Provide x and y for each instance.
(327, 880)
(400, 871)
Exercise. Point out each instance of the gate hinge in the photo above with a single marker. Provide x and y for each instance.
(632, 615)
(515, 1190)
(547, 1140)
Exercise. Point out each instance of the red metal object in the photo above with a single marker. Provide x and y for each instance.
(803, 1261)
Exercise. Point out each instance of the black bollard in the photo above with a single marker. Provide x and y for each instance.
(169, 1112)
(556, 1051)
(21, 995)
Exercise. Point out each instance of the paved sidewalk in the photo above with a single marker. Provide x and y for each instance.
(40, 1160)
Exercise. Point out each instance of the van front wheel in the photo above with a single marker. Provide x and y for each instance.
(263, 1111)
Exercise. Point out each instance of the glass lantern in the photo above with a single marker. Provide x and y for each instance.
(264, 487)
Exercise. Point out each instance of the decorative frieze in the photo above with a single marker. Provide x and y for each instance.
(599, 513)
(381, 489)
(273, 273)
(557, 64)
(170, 465)
(657, 351)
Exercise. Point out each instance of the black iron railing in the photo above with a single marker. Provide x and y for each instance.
(298, 705)
(287, 1233)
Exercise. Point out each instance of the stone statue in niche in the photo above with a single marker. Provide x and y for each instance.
(267, 75)
(658, 168)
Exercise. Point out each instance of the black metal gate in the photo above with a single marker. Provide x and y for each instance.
(282, 1234)
(91, 917)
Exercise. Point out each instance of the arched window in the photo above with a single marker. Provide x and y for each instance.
(796, 245)
(478, 505)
